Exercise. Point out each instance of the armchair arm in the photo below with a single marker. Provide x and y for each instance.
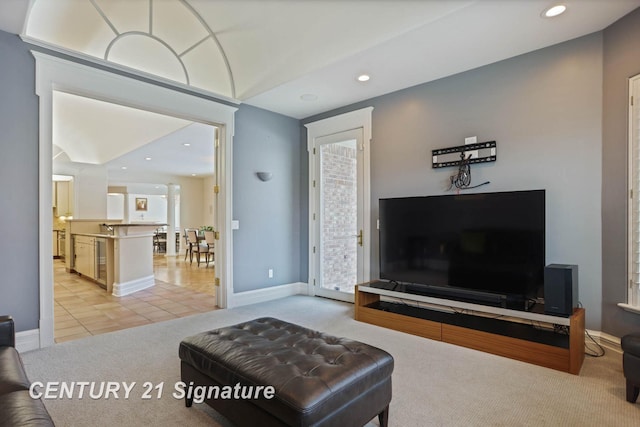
(630, 343)
(7, 332)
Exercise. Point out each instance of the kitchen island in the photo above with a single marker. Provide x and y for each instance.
(117, 256)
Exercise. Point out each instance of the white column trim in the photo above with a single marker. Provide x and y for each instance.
(170, 246)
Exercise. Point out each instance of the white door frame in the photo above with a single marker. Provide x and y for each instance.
(343, 122)
(633, 298)
(53, 73)
(355, 135)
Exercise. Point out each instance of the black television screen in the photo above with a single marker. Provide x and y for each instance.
(466, 245)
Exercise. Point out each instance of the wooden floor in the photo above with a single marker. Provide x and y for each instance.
(82, 308)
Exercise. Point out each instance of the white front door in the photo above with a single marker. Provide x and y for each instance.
(339, 203)
(339, 219)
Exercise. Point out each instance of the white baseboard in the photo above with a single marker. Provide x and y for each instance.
(126, 288)
(610, 341)
(268, 294)
(28, 340)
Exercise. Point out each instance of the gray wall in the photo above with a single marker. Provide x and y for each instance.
(269, 213)
(544, 110)
(621, 61)
(19, 176)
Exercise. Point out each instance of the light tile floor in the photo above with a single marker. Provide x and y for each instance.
(82, 308)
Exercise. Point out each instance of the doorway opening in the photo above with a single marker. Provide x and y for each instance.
(172, 154)
(54, 74)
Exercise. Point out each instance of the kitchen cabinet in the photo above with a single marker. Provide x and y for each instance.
(84, 255)
(90, 258)
(63, 198)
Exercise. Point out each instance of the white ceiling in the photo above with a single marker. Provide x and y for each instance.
(278, 50)
(128, 141)
(474, 34)
(96, 132)
(275, 51)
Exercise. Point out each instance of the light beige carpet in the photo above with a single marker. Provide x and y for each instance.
(434, 383)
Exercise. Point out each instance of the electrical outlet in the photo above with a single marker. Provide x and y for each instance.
(271, 273)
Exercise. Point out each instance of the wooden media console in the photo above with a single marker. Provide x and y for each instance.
(549, 341)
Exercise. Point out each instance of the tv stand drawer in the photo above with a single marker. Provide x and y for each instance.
(513, 348)
(402, 323)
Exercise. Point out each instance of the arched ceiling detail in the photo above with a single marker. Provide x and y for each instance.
(166, 38)
(301, 58)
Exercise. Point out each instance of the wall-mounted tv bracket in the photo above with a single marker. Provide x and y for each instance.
(481, 152)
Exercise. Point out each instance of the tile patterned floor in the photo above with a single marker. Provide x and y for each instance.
(82, 308)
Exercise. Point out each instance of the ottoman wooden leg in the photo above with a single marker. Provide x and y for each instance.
(383, 417)
(188, 402)
(632, 391)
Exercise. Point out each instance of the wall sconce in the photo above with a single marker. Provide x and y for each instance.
(264, 176)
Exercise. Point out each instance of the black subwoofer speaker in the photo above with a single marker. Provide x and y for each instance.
(560, 289)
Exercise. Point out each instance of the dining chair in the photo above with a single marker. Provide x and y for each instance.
(210, 238)
(187, 245)
(159, 242)
(197, 247)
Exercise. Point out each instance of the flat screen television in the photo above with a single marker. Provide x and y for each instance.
(487, 248)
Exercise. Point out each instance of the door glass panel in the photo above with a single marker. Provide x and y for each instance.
(339, 216)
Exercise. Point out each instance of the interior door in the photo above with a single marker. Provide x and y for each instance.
(339, 214)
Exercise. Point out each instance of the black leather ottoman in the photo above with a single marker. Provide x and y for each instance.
(319, 380)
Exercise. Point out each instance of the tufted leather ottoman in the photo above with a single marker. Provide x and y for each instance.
(319, 380)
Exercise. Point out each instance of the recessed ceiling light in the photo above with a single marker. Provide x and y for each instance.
(147, 158)
(554, 11)
(186, 144)
(124, 167)
(363, 77)
(309, 97)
